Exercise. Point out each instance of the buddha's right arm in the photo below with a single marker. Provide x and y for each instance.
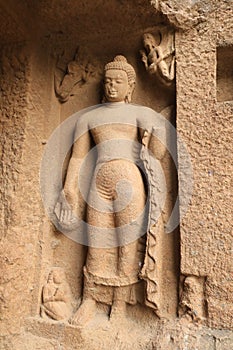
(71, 186)
(71, 189)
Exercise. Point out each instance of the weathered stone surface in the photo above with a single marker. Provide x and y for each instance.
(34, 35)
(206, 127)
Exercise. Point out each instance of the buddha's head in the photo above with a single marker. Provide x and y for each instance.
(119, 80)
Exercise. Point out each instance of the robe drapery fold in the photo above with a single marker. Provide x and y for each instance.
(151, 269)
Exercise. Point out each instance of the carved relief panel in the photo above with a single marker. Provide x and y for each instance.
(130, 185)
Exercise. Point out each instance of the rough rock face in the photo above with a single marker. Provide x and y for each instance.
(55, 47)
(206, 231)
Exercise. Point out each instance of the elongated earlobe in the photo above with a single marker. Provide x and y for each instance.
(128, 97)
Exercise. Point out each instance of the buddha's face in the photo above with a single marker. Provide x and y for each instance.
(116, 86)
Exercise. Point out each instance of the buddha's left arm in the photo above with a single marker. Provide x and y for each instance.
(157, 142)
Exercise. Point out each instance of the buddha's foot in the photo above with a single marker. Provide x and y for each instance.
(118, 310)
(85, 313)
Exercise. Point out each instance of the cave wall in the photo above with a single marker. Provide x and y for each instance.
(33, 36)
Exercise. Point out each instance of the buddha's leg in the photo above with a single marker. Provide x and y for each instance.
(102, 251)
(85, 313)
(130, 255)
(101, 264)
(131, 225)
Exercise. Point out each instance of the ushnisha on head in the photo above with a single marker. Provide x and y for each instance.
(119, 80)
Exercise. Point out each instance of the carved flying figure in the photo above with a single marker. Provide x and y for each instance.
(121, 211)
(78, 72)
(155, 57)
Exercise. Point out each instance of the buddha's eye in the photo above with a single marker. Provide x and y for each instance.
(119, 81)
(106, 81)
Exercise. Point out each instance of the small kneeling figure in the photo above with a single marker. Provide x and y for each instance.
(56, 297)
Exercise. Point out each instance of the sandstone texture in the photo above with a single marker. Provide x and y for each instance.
(52, 58)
